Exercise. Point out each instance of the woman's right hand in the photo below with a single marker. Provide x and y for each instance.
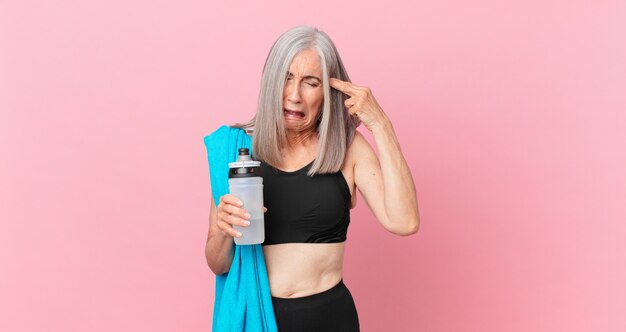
(230, 213)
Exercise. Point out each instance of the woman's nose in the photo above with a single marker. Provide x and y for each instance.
(293, 93)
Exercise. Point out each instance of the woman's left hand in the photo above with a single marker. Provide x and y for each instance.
(361, 103)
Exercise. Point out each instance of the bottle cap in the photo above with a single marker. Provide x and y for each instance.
(244, 166)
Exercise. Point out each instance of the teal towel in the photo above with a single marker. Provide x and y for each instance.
(243, 300)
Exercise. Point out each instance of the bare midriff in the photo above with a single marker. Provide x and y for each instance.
(302, 269)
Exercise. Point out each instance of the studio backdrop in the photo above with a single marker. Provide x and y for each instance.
(511, 116)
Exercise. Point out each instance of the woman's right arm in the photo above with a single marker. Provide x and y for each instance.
(219, 245)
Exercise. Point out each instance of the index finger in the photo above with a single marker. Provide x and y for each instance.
(343, 86)
(231, 199)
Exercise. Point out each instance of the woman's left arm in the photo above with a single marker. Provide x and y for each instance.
(384, 181)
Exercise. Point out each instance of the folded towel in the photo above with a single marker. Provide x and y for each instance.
(243, 300)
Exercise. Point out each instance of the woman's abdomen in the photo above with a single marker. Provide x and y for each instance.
(302, 269)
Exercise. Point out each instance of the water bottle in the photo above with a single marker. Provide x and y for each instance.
(246, 183)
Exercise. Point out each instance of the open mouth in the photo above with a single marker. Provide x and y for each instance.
(294, 114)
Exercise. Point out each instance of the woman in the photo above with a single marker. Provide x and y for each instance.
(314, 160)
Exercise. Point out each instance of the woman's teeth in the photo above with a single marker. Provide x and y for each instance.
(294, 113)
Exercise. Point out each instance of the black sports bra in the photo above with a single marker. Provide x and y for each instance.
(305, 209)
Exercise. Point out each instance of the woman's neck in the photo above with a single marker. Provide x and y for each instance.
(301, 143)
(300, 139)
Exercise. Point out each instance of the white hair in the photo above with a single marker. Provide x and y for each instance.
(335, 128)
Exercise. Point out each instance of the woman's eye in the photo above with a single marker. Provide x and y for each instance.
(313, 84)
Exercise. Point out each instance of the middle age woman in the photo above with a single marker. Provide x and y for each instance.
(314, 160)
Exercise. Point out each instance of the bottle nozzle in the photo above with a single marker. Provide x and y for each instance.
(244, 154)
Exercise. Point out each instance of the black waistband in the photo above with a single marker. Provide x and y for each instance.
(329, 295)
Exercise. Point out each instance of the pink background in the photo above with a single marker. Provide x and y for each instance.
(511, 115)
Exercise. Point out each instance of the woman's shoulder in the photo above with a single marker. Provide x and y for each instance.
(225, 128)
(358, 144)
(358, 149)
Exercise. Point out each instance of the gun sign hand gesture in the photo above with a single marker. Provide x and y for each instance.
(361, 103)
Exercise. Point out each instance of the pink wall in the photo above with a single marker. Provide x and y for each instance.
(512, 117)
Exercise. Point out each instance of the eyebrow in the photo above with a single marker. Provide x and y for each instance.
(307, 76)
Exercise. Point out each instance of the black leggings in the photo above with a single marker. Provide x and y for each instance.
(330, 310)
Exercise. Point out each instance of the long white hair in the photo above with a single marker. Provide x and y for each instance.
(335, 127)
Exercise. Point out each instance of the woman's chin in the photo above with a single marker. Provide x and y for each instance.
(296, 126)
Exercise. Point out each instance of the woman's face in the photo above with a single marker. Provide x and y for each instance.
(303, 94)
